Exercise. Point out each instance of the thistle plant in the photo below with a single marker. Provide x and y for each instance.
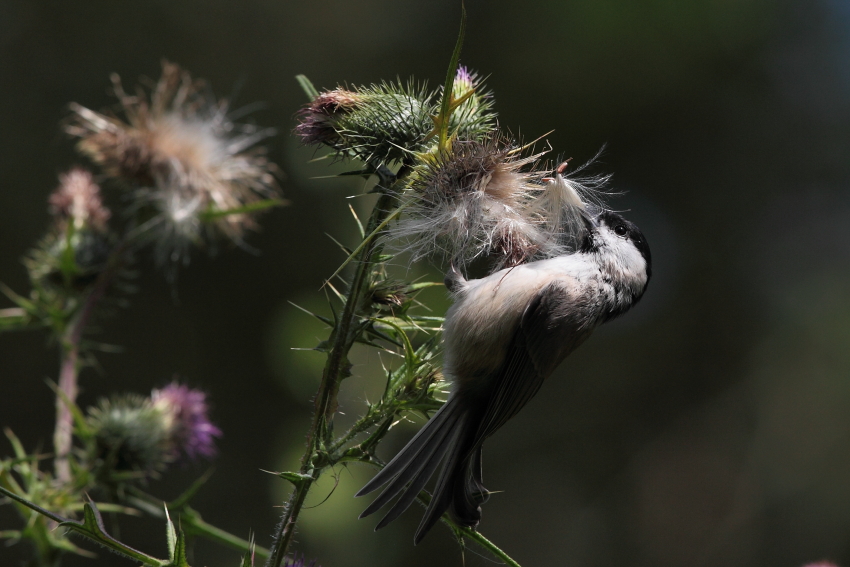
(459, 190)
(451, 188)
(181, 176)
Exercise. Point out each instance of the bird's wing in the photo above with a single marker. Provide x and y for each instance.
(546, 335)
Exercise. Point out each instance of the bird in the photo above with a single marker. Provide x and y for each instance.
(503, 336)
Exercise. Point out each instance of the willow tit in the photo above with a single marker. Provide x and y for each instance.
(503, 336)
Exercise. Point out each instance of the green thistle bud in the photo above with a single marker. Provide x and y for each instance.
(131, 435)
(474, 119)
(379, 124)
(390, 294)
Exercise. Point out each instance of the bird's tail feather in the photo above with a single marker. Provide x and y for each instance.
(447, 435)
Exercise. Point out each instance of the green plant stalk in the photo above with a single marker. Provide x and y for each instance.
(69, 368)
(192, 524)
(483, 542)
(342, 338)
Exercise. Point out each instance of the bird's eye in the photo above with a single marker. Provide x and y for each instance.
(620, 230)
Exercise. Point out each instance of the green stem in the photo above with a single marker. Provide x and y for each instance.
(69, 367)
(342, 338)
(192, 523)
(487, 544)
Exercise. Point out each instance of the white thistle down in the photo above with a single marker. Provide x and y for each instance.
(183, 157)
(485, 199)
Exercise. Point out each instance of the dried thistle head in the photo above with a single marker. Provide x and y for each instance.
(469, 201)
(191, 169)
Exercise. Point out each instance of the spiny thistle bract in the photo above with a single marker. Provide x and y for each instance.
(184, 161)
(390, 122)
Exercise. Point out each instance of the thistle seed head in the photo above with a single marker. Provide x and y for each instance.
(177, 146)
(468, 202)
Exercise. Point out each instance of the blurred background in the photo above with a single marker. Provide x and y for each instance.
(709, 427)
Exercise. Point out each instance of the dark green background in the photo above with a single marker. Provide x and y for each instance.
(709, 427)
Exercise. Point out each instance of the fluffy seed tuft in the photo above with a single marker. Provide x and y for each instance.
(468, 202)
(193, 172)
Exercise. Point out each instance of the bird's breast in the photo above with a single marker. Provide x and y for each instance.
(481, 324)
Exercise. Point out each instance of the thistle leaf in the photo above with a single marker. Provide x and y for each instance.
(307, 86)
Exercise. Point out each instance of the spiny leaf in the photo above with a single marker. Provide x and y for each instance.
(368, 240)
(170, 535)
(446, 105)
(321, 318)
(179, 557)
(294, 477)
(182, 500)
(307, 86)
(342, 246)
(357, 220)
(92, 527)
(409, 352)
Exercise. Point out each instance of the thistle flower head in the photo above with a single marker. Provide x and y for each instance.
(464, 81)
(299, 562)
(184, 412)
(469, 201)
(379, 123)
(474, 118)
(77, 200)
(177, 145)
(320, 118)
(76, 248)
(144, 435)
(130, 436)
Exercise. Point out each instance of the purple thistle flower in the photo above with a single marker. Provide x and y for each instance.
(299, 563)
(191, 433)
(464, 80)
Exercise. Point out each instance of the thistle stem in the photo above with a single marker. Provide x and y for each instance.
(69, 369)
(342, 338)
(63, 433)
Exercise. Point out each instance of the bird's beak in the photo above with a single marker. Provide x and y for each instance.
(589, 217)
